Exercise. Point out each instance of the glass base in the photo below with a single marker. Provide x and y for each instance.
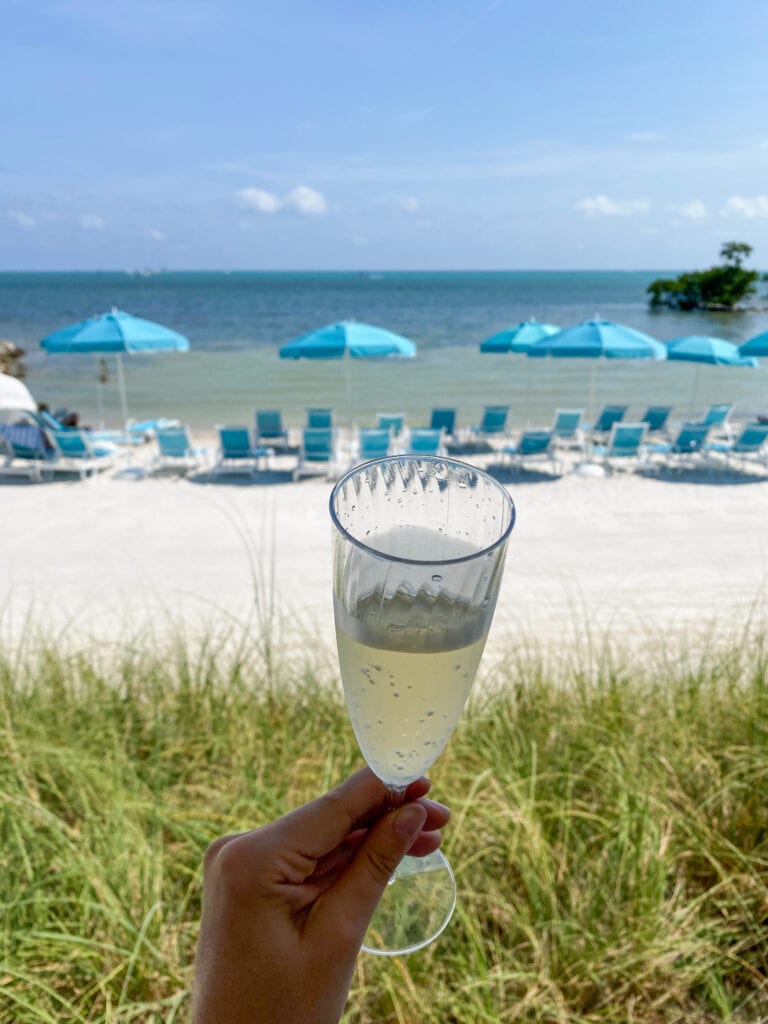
(415, 908)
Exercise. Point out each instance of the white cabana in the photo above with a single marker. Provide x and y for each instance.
(15, 396)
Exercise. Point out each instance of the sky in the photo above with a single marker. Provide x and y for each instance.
(381, 134)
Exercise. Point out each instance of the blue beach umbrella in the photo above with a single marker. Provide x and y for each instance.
(360, 341)
(115, 332)
(757, 346)
(599, 338)
(349, 338)
(702, 349)
(596, 339)
(699, 348)
(518, 338)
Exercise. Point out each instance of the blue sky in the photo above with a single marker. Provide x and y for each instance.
(429, 134)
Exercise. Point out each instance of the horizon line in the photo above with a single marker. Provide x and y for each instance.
(152, 272)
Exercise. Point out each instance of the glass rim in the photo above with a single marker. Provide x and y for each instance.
(437, 459)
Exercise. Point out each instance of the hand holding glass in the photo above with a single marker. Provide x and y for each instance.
(419, 551)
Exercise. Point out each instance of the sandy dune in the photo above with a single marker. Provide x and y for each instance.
(647, 559)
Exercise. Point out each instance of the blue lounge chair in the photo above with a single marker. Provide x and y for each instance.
(373, 444)
(46, 419)
(317, 452)
(269, 428)
(175, 450)
(493, 424)
(686, 450)
(566, 428)
(656, 416)
(445, 420)
(319, 419)
(751, 446)
(23, 450)
(426, 442)
(625, 448)
(533, 446)
(237, 453)
(137, 432)
(716, 417)
(74, 451)
(609, 415)
(394, 422)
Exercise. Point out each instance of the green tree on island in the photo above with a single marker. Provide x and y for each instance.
(721, 287)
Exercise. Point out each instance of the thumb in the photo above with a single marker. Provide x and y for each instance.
(357, 892)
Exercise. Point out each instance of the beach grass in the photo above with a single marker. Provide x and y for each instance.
(610, 830)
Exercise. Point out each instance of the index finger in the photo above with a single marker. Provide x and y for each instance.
(318, 827)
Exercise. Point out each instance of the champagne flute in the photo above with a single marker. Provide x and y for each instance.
(419, 545)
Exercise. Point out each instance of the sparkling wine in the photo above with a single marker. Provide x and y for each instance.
(407, 676)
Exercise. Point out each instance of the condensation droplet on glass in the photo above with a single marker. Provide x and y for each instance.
(437, 578)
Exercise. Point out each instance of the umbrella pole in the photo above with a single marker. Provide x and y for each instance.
(121, 386)
(100, 403)
(348, 385)
(695, 389)
(350, 438)
(592, 381)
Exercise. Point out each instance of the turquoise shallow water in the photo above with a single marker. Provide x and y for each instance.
(237, 321)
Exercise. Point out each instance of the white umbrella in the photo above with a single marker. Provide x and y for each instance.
(15, 396)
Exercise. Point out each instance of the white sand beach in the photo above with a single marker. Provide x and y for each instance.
(648, 560)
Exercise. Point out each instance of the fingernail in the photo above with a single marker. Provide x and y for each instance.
(409, 820)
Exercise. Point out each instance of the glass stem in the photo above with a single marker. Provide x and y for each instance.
(395, 797)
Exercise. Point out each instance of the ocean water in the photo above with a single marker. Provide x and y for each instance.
(237, 321)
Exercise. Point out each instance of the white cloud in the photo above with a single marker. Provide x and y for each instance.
(409, 204)
(302, 199)
(756, 206)
(258, 200)
(306, 200)
(155, 235)
(645, 137)
(22, 219)
(603, 206)
(91, 222)
(693, 211)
